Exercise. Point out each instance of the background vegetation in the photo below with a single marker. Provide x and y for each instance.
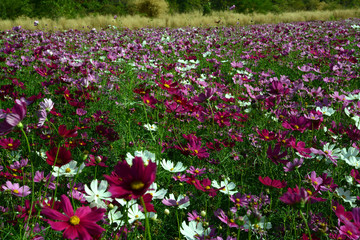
(12, 9)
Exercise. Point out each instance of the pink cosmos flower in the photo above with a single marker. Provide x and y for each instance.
(81, 224)
(225, 219)
(16, 189)
(14, 118)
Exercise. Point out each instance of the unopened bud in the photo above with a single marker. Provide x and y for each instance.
(166, 211)
(203, 213)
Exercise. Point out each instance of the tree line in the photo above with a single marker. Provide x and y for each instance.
(11, 9)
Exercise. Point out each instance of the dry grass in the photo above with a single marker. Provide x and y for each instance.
(195, 19)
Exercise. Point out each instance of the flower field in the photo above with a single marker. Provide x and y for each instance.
(181, 133)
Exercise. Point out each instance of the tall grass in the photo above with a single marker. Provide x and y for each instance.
(195, 19)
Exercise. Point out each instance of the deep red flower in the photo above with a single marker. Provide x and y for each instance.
(62, 158)
(272, 183)
(301, 196)
(266, 135)
(131, 182)
(205, 186)
(9, 143)
(81, 224)
(297, 124)
(67, 133)
(168, 85)
(275, 155)
(149, 100)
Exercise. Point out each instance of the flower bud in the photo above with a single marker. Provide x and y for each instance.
(166, 211)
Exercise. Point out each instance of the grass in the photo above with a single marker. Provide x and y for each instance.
(195, 19)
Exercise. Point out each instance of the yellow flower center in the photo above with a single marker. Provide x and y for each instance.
(348, 232)
(15, 191)
(166, 85)
(171, 169)
(75, 220)
(207, 187)
(67, 170)
(10, 144)
(137, 185)
(196, 151)
(296, 126)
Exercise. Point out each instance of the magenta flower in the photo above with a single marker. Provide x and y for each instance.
(131, 181)
(232, 7)
(290, 166)
(14, 118)
(272, 183)
(296, 196)
(195, 148)
(81, 224)
(16, 189)
(297, 124)
(220, 214)
(9, 143)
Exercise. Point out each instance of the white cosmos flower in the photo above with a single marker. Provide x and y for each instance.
(97, 193)
(261, 225)
(135, 214)
(145, 155)
(156, 194)
(328, 111)
(353, 161)
(193, 230)
(229, 186)
(115, 216)
(150, 127)
(346, 153)
(68, 170)
(346, 196)
(169, 166)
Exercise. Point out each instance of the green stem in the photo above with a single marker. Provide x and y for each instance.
(306, 224)
(33, 183)
(147, 121)
(177, 219)
(147, 224)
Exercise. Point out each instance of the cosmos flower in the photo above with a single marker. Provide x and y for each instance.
(81, 224)
(169, 166)
(68, 170)
(9, 143)
(194, 230)
(16, 189)
(182, 201)
(97, 194)
(150, 127)
(58, 156)
(14, 118)
(272, 183)
(131, 181)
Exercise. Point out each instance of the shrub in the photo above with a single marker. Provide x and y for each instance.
(152, 8)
